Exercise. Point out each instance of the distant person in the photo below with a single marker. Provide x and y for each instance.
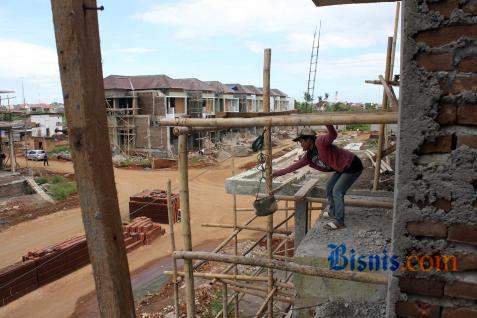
(45, 160)
(322, 155)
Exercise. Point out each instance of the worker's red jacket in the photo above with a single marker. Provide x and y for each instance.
(336, 158)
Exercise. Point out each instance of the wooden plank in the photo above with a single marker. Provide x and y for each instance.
(306, 188)
(79, 55)
(323, 3)
(390, 92)
(39, 190)
(378, 82)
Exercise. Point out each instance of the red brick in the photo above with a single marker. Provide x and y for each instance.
(468, 64)
(459, 313)
(444, 7)
(435, 61)
(463, 233)
(447, 114)
(427, 228)
(461, 84)
(410, 309)
(443, 204)
(421, 286)
(466, 262)
(468, 140)
(441, 36)
(467, 114)
(471, 7)
(442, 144)
(459, 289)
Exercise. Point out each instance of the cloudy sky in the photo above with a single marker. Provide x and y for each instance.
(207, 39)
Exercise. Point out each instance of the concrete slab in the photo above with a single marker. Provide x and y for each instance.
(367, 232)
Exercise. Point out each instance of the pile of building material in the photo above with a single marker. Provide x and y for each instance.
(45, 265)
(141, 231)
(153, 204)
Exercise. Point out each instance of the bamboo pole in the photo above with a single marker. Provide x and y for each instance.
(363, 277)
(382, 127)
(232, 277)
(268, 166)
(185, 221)
(277, 121)
(261, 294)
(286, 229)
(250, 228)
(262, 288)
(225, 308)
(173, 248)
(279, 209)
(13, 161)
(378, 82)
(234, 207)
(264, 305)
(348, 202)
(225, 242)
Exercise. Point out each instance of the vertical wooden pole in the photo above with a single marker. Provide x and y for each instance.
(268, 166)
(286, 229)
(11, 145)
(79, 55)
(225, 309)
(234, 206)
(391, 70)
(173, 248)
(185, 221)
(382, 127)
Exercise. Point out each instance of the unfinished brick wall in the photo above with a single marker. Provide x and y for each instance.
(436, 203)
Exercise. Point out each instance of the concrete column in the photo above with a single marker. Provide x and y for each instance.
(301, 221)
(11, 144)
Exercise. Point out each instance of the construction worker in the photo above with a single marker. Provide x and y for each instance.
(322, 155)
(45, 160)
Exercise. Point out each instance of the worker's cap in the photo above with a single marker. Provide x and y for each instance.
(305, 132)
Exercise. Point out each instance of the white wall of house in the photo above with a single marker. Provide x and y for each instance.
(45, 125)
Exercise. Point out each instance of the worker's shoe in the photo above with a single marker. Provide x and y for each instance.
(334, 225)
(327, 213)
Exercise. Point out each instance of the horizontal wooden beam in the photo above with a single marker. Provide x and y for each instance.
(378, 82)
(250, 228)
(323, 3)
(372, 278)
(390, 92)
(306, 188)
(349, 202)
(298, 120)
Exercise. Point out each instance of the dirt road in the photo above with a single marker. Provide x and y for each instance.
(209, 203)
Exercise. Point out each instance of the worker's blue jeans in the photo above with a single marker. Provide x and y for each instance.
(336, 189)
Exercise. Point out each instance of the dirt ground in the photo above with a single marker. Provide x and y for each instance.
(209, 203)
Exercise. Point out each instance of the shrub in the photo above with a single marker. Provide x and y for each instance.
(57, 179)
(59, 149)
(41, 180)
(61, 191)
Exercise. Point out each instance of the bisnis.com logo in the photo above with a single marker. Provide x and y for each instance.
(340, 258)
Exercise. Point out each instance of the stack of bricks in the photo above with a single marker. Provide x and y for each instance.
(153, 204)
(435, 217)
(43, 266)
(141, 231)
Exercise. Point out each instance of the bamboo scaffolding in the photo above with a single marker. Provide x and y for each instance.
(276, 121)
(264, 305)
(225, 242)
(173, 248)
(234, 207)
(289, 266)
(185, 221)
(378, 82)
(262, 288)
(382, 127)
(250, 228)
(225, 300)
(389, 91)
(348, 202)
(260, 294)
(279, 209)
(239, 277)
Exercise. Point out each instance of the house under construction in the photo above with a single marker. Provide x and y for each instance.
(136, 103)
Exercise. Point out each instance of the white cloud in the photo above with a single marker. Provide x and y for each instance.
(22, 59)
(134, 50)
(343, 26)
(36, 65)
(363, 67)
(254, 46)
